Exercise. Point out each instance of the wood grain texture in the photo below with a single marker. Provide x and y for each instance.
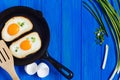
(91, 52)
(6, 59)
(53, 7)
(71, 36)
(63, 32)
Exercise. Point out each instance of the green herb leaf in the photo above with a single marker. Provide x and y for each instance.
(16, 49)
(96, 14)
(112, 18)
(33, 39)
(21, 24)
(99, 35)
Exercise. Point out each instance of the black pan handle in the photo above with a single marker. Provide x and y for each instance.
(62, 69)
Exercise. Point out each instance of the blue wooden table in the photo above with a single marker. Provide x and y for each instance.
(72, 41)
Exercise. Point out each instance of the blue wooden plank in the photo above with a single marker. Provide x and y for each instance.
(71, 36)
(4, 4)
(67, 27)
(35, 4)
(77, 45)
(111, 61)
(112, 58)
(29, 3)
(91, 53)
(89, 69)
(67, 35)
(76, 63)
(52, 12)
(71, 23)
(65, 44)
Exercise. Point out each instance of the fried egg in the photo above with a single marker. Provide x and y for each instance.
(15, 27)
(27, 45)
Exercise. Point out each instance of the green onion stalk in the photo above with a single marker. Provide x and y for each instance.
(101, 31)
(112, 19)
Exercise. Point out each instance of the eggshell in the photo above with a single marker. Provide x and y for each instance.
(43, 70)
(31, 69)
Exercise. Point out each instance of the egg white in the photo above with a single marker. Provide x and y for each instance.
(35, 46)
(25, 28)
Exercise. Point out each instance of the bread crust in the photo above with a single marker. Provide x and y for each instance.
(33, 49)
(9, 38)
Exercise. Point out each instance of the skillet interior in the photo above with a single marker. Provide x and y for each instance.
(39, 25)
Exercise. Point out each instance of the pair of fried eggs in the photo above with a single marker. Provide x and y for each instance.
(15, 27)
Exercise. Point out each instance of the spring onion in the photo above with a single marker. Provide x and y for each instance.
(112, 18)
(105, 56)
(101, 31)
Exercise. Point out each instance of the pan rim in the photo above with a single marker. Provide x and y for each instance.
(43, 21)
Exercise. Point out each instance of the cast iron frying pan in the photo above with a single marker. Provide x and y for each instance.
(39, 25)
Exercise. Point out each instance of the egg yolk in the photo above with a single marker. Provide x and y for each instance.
(13, 29)
(25, 45)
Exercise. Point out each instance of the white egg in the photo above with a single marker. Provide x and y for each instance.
(29, 44)
(43, 70)
(15, 27)
(31, 68)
